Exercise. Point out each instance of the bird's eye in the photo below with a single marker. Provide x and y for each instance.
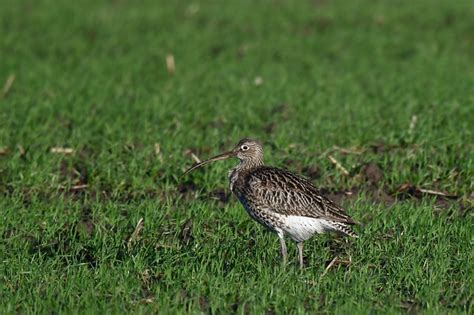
(244, 147)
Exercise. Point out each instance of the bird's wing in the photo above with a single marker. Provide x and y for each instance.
(289, 194)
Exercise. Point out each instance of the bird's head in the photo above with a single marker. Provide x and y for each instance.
(248, 151)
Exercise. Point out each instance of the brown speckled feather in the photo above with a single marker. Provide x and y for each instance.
(286, 193)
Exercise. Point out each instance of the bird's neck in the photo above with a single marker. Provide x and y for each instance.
(246, 165)
(243, 167)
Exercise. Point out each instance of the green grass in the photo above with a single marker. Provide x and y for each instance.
(92, 76)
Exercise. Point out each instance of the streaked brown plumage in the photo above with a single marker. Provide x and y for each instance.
(282, 201)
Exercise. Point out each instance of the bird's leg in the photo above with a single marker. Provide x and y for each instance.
(300, 252)
(284, 252)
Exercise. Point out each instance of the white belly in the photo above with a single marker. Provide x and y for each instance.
(302, 228)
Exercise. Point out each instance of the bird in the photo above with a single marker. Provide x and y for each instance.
(280, 200)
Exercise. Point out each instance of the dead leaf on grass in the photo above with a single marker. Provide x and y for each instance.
(61, 150)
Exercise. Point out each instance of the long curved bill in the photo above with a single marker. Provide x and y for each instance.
(219, 157)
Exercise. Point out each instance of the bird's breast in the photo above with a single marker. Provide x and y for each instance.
(233, 177)
(237, 182)
(265, 217)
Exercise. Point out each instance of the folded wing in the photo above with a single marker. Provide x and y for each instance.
(289, 194)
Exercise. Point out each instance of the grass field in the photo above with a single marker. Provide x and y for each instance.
(383, 87)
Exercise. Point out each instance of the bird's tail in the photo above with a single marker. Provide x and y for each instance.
(343, 229)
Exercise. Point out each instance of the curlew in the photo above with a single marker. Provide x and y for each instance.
(285, 203)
